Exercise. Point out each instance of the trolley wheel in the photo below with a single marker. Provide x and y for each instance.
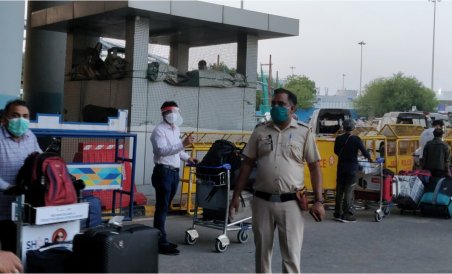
(219, 247)
(386, 210)
(378, 217)
(189, 239)
(243, 236)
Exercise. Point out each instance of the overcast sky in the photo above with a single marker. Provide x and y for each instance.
(398, 37)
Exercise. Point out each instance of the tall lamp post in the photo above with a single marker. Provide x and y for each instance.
(343, 81)
(433, 46)
(361, 67)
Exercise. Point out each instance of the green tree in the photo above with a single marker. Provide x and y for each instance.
(258, 99)
(398, 93)
(223, 67)
(303, 88)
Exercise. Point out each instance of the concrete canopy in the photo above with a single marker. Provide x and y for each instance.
(194, 23)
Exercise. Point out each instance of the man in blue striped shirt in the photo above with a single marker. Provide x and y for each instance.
(16, 143)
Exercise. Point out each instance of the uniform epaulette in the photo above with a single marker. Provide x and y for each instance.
(263, 124)
(303, 124)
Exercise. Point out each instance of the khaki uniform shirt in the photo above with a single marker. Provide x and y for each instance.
(280, 156)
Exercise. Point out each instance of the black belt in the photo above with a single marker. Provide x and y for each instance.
(276, 197)
(168, 167)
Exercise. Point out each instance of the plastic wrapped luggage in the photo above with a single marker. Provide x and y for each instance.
(437, 199)
(407, 191)
(127, 249)
(424, 175)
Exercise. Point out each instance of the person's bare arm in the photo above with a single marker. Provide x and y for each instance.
(10, 263)
(317, 210)
(245, 170)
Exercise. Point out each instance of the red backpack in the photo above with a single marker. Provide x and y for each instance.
(46, 180)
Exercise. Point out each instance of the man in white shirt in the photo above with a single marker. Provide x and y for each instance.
(169, 150)
(426, 135)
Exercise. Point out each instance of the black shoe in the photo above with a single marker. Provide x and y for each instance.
(337, 217)
(172, 245)
(168, 250)
(348, 219)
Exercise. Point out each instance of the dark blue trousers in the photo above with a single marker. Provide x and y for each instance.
(165, 181)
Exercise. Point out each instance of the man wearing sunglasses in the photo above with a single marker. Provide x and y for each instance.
(280, 148)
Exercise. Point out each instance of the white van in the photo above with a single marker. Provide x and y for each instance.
(326, 121)
(439, 116)
(411, 118)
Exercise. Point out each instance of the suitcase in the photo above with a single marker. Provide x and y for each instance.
(127, 249)
(407, 191)
(437, 199)
(362, 191)
(424, 175)
(219, 214)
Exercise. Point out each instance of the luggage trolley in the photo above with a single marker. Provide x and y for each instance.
(375, 186)
(213, 195)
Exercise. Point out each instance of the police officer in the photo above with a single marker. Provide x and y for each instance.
(280, 148)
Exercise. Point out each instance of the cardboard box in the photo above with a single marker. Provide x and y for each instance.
(55, 214)
(35, 236)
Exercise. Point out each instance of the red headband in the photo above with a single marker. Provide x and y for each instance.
(169, 108)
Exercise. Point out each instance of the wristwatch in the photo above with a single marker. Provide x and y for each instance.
(322, 201)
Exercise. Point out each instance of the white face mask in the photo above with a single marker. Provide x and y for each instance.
(174, 118)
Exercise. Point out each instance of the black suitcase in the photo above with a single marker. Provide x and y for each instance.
(50, 258)
(243, 212)
(127, 249)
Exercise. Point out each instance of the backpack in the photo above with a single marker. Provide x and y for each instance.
(46, 180)
(221, 152)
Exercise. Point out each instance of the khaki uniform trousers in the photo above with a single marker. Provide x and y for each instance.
(287, 218)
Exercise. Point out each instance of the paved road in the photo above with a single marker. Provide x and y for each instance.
(400, 243)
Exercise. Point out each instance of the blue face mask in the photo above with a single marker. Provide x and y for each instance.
(18, 126)
(279, 114)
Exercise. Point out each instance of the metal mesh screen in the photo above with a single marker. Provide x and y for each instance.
(204, 108)
(214, 55)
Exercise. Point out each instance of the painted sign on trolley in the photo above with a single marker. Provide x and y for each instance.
(98, 176)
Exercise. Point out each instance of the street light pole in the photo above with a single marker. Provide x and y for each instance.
(433, 44)
(343, 81)
(361, 67)
(292, 69)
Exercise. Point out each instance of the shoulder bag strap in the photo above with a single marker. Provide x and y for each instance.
(340, 152)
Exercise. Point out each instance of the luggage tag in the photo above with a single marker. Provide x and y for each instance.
(116, 221)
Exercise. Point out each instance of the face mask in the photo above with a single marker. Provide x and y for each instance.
(279, 114)
(174, 118)
(18, 126)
